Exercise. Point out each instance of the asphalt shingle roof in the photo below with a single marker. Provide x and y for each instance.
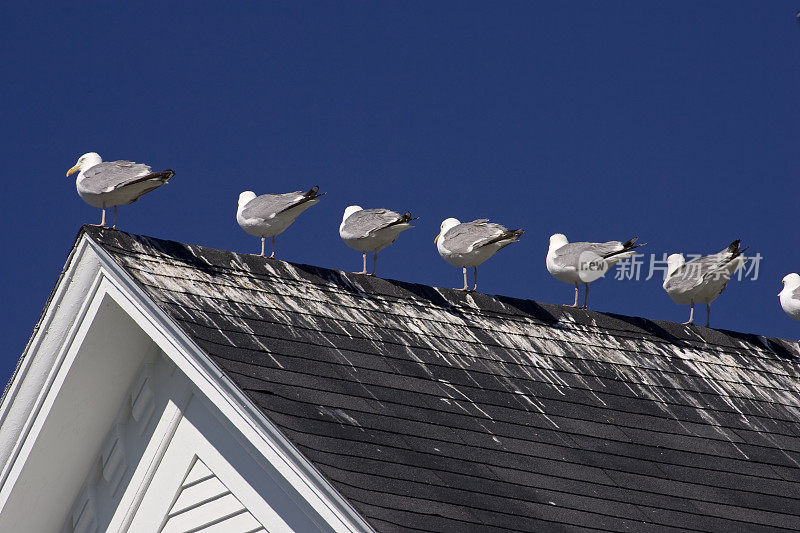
(435, 410)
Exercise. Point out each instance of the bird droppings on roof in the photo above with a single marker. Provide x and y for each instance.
(435, 410)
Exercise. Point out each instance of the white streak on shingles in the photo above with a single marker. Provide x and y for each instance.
(792, 459)
(538, 408)
(464, 396)
(340, 416)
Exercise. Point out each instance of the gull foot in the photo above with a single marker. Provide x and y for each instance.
(688, 323)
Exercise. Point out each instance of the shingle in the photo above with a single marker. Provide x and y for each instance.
(434, 410)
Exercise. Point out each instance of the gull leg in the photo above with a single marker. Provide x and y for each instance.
(576, 296)
(691, 314)
(363, 270)
(585, 296)
(374, 260)
(272, 255)
(708, 314)
(262, 246)
(102, 219)
(475, 288)
(466, 287)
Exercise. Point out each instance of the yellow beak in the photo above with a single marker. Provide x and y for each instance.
(73, 170)
(437, 238)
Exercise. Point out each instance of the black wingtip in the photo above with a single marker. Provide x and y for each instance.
(313, 192)
(163, 176)
(631, 244)
(735, 248)
(406, 217)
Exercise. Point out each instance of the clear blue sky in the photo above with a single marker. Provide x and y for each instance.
(673, 121)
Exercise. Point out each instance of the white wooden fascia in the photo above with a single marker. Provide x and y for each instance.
(55, 340)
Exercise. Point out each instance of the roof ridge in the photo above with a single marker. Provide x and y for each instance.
(599, 320)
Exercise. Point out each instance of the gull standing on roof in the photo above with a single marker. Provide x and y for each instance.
(469, 244)
(114, 183)
(790, 295)
(701, 280)
(270, 214)
(371, 230)
(584, 262)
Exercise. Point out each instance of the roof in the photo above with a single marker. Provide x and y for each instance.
(434, 410)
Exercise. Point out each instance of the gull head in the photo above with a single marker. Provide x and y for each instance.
(557, 240)
(790, 282)
(245, 197)
(350, 210)
(445, 227)
(674, 262)
(85, 162)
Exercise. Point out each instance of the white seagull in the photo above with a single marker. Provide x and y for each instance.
(471, 243)
(270, 214)
(584, 262)
(701, 280)
(790, 295)
(114, 183)
(371, 230)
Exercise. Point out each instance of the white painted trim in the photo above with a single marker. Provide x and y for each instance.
(190, 441)
(14, 401)
(52, 384)
(152, 459)
(91, 276)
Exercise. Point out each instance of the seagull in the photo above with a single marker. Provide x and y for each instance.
(114, 183)
(790, 295)
(584, 262)
(270, 214)
(372, 230)
(469, 244)
(702, 279)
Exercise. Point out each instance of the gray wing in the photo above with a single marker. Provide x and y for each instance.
(367, 221)
(709, 264)
(682, 281)
(470, 235)
(110, 175)
(569, 254)
(268, 205)
(697, 271)
(796, 294)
